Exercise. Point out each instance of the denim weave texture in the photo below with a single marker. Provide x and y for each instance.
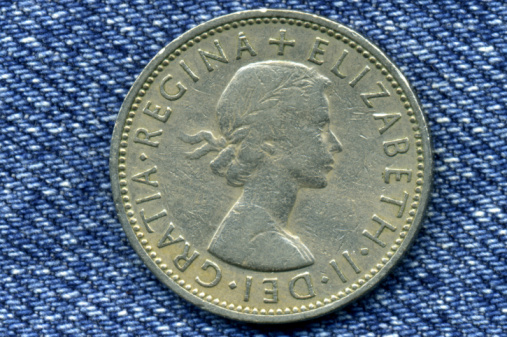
(66, 266)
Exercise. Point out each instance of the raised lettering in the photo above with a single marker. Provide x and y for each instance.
(149, 198)
(347, 257)
(317, 51)
(367, 96)
(146, 221)
(189, 71)
(156, 113)
(172, 97)
(207, 55)
(397, 174)
(184, 257)
(146, 137)
(309, 286)
(244, 45)
(383, 225)
(218, 274)
(144, 177)
(359, 76)
(338, 271)
(400, 203)
(273, 291)
(388, 119)
(335, 70)
(393, 147)
(167, 239)
(248, 286)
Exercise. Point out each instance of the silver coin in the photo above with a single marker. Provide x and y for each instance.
(271, 166)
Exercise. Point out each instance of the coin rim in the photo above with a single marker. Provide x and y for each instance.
(327, 308)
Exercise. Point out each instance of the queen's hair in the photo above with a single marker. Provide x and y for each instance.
(261, 104)
(254, 111)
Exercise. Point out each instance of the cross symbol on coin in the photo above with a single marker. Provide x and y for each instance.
(282, 42)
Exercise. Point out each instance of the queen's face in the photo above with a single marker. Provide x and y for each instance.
(310, 143)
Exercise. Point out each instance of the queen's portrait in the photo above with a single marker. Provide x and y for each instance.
(275, 140)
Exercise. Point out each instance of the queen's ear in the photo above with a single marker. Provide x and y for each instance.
(268, 148)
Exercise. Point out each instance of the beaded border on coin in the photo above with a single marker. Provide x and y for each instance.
(283, 17)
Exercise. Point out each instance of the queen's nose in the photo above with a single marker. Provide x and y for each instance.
(335, 145)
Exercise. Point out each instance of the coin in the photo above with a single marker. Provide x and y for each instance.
(271, 166)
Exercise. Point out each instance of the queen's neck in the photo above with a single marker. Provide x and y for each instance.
(273, 190)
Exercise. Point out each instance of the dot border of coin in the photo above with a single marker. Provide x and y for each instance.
(234, 25)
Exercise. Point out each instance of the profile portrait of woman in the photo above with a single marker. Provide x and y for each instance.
(274, 121)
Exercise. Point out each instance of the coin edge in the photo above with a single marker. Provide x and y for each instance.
(285, 318)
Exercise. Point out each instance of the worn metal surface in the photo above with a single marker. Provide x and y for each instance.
(270, 166)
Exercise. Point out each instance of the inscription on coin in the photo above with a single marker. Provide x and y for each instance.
(270, 166)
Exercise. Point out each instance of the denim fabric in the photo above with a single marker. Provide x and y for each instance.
(66, 266)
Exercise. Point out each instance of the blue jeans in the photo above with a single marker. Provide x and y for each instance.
(66, 266)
